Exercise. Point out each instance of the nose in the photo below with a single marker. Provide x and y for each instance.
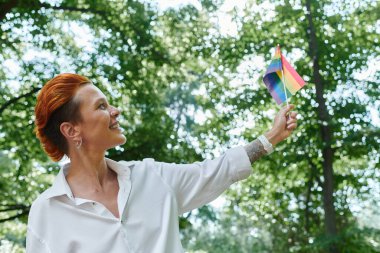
(115, 112)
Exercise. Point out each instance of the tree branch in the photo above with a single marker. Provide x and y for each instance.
(308, 196)
(15, 99)
(24, 212)
(7, 7)
(314, 171)
(14, 207)
(68, 8)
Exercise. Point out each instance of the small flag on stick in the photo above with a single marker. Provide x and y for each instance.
(281, 79)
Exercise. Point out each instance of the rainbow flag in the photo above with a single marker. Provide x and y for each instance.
(274, 81)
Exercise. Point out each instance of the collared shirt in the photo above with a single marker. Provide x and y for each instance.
(151, 197)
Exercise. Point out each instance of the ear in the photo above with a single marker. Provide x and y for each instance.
(70, 131)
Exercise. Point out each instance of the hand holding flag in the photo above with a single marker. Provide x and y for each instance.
(284, 124)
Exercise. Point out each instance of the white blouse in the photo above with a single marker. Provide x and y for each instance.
(151, 197)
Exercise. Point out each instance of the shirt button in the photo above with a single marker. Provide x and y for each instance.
(93, 203)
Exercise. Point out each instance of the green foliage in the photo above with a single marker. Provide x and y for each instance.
(164, 69)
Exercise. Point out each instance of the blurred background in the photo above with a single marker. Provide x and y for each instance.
(187, 76)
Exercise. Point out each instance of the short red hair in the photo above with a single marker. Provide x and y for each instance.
(55, 105)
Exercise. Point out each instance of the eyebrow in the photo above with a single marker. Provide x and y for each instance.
(100, 99)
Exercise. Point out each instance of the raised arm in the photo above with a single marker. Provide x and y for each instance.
(283, 126)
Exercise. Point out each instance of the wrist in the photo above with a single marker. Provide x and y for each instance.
(271, 136)
(266, 144)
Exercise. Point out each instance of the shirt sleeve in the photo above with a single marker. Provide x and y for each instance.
(197, 184)
(34, 244)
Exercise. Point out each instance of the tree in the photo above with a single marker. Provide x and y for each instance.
(164, 69)
(126, 60)
(336, 139)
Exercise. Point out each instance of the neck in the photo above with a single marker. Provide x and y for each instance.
(89, 169)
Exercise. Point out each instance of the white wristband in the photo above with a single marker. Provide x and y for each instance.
(267, 145)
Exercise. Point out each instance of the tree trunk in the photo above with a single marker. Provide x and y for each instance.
(326, 134)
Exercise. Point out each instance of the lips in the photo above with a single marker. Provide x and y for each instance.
(115, 125)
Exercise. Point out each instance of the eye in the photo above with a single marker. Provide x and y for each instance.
(102, 106)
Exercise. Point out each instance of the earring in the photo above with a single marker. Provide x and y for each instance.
(79, 144)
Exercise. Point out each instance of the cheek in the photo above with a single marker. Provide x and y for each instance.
(96, 125)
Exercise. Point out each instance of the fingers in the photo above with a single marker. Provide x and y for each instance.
(291, 122)
(287, 111)
(291, 127)
(293, 115)
(286, 108)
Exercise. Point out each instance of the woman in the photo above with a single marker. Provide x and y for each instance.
(99, 205)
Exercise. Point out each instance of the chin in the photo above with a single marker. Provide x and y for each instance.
(122, 141)
(118, 141)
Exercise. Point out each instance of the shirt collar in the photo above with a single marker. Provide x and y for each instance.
(61, 187)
